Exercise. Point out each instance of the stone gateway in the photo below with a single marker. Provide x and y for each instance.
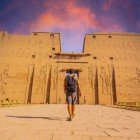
(33, 68)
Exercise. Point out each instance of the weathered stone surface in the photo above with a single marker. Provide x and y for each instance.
(33, 68)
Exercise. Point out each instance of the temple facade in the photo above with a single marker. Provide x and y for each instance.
(33, 68)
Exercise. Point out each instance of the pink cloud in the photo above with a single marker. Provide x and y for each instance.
(72, 17)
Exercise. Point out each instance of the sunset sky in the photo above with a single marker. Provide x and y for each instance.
(72, 18)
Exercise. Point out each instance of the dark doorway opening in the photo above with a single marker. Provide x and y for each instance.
(76, 73)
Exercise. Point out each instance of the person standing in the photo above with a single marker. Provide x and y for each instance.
(71, 87)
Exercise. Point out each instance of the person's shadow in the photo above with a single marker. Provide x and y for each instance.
(32, 117)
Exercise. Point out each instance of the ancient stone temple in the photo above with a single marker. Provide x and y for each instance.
(33, 68)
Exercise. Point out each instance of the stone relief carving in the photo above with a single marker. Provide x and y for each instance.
(133, 82)
(60, 100)
(90, 76)
(85, 101)
(42, 80)
(3, 76)
(106, 82)
(136, 79)
(55, 78)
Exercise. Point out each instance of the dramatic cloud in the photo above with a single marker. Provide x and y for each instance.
(72, 18)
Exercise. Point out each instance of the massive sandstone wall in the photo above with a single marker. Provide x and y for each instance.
(117, 59)
(33, 68)
(24, 64)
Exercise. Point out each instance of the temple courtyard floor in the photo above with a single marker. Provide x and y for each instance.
(49, 122)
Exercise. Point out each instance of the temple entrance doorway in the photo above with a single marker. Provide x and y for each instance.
(76, 73)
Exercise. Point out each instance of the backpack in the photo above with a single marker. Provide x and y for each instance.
(71, 84)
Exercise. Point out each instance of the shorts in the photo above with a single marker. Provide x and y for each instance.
(71, 98)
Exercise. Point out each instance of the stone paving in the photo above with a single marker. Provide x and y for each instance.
(48, 122)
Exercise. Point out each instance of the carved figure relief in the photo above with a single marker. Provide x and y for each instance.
(55, 78)
(42, 80)
(133, 82)
(136, 80)
(90, 76)
(3, 76)
(60, 100)
(105, 81)
(85, 101)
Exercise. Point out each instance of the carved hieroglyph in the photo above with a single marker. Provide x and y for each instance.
(90, 76)
(106, 80)
(3, 76)
(42, 80)
(55, 72)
